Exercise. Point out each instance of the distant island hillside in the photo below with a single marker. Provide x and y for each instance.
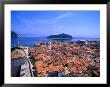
(60, 36)
(13, 34)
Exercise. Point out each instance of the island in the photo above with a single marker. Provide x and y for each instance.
(13, 34)
(60, 37)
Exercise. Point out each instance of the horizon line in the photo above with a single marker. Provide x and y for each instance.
(72, 36)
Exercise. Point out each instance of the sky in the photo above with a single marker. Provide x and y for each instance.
(45, 23)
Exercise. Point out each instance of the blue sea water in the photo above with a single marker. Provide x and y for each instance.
(29, 41)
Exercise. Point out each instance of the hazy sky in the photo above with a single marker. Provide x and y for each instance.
(44, 23)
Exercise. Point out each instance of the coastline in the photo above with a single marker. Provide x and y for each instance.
(39, 54)
(29, 41)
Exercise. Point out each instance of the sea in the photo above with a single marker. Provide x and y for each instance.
(29, 41)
